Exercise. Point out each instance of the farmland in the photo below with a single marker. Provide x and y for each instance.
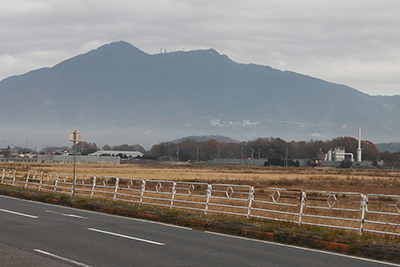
(365, 181)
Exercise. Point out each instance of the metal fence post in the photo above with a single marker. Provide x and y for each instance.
(142, 191)
(4, 173)
(15, 174)
(251, 197)
(26, 181)
(364, 202)
(173, 194)
(302, 203)
(116, 188)
(55, 183)
(209, 188)
(41, 181)
(93, 187)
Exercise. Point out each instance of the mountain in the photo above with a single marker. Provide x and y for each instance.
(389, 147)
(118, 93)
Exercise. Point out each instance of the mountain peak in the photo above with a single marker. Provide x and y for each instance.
(120, 47)
(212, 51)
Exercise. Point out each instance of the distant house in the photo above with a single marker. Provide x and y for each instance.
(128, 154)
(62, 152)
(28, 155)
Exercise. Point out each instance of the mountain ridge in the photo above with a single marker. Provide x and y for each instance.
(119, 88)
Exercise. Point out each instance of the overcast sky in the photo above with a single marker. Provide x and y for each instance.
(356, 43)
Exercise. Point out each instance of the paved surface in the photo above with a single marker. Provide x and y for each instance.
(38, 234)
(12, 256)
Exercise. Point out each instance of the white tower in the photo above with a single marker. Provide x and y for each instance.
(359, 146)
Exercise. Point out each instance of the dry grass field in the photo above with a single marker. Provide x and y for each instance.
(365, 181)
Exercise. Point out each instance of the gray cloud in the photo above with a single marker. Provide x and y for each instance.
(356, 43)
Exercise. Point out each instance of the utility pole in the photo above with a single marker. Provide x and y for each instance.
(241, 155)
(286, 157)
(73, 186)
(75, 137)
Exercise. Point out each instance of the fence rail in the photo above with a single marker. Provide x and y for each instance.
(374, 213)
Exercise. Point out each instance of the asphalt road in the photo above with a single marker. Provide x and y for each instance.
(38, 234)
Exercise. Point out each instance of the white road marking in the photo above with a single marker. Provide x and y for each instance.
(18, 213)
(102, 213)
(61, 258)
(126, 236)
(154, 222)
(67, 215)
(302, 248)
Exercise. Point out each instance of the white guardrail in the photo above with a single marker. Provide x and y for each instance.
(375, 213)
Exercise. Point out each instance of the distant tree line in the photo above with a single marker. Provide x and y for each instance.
(391, 160)
(268, 148)
(273, 149)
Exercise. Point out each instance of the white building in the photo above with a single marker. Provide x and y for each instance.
(338, 154)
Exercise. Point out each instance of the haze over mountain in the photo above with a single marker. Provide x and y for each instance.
(120, 94)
